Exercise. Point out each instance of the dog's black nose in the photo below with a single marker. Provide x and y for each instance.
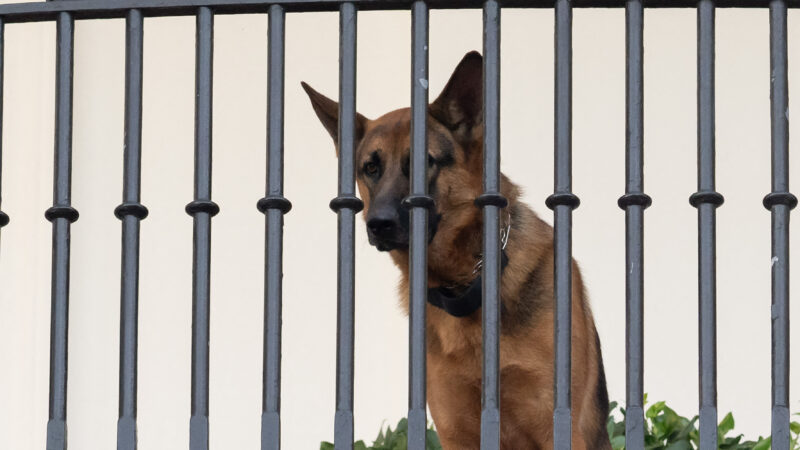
(382, 227)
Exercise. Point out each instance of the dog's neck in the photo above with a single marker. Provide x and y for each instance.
(451, 256)
(456, 250)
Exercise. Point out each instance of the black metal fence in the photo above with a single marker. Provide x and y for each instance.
(779, 201)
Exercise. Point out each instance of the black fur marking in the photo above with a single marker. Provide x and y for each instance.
(445, 159)
(403, 213)
(517, 316)
(601, 397)
(433, 224)
(374, 158)
(432, 191)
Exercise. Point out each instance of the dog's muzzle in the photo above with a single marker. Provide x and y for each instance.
(388, 227)
(386, 233)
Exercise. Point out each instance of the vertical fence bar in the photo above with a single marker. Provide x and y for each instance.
(634, 202)
(706, 200)
(130, 212)
(418, 201)
(274, 205)
(202, 209)
(562, 202)
(780, 202)
(491, 201)
(3, 216)
(61, 214)
(346, 205)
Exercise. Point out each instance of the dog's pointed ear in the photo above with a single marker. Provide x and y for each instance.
(328, 112)
(460, 105)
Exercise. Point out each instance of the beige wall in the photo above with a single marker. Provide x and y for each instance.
(743, 171)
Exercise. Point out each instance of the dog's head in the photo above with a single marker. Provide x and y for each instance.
(455, 132)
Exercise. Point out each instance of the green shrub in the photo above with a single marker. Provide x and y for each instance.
(667, 430)
(664, 430)
(396, 439)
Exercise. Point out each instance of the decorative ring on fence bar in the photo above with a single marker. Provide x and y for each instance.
(137, 210)
(418, 201)
(563, 199)
(712, 197)
(274, 202)
(202, 206)
(61, 212)
(635, 199)
(347, 201)
(4, 219)
(780, 198)
(491, 199)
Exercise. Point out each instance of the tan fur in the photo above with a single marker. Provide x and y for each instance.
(454, 352)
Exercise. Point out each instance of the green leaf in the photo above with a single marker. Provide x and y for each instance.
(654, 410)
(326, 446)
(679, 445)
(731, 442)
(726, 425)
(360, 445)
(618, 442)
(402, 426)
(763, 444)
(432, 440)
(401, 443)
(619, 429)
(610, 427)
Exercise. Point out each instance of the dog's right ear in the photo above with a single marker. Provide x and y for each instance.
(328, 112)
(460, 105)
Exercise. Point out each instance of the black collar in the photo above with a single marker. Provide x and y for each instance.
(462, 301)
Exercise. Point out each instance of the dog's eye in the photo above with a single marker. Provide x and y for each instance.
(431, 160)
(370, 168)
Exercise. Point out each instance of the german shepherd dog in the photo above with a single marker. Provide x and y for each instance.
(454, 352)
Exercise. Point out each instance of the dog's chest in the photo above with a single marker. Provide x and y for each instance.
(456, 340)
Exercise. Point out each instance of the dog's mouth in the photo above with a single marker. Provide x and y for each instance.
(388, 244)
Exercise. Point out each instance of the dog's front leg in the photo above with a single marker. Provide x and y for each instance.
(455, 405)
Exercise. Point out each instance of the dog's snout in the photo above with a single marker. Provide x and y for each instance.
(387, 224)
(382, 226)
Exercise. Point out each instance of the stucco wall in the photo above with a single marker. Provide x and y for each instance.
(309, 319)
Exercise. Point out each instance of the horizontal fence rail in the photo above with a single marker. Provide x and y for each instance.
(420, 203)
(102, 9)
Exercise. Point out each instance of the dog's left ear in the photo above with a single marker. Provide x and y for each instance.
(460, 105)
(328, 113)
